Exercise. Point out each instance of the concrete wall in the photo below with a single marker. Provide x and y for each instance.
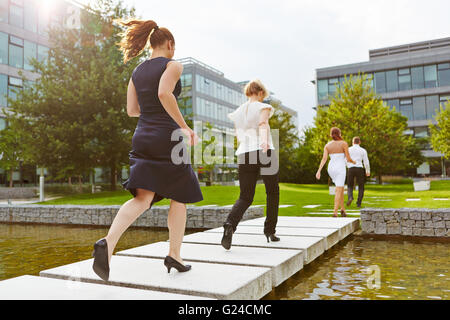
(197, 217)
(407, 222)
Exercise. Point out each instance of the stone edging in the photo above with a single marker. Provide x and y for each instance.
(406, 221)
(197, 217)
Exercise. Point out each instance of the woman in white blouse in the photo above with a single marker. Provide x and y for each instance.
(255, 157)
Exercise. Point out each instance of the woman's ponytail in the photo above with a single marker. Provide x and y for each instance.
(137, 34)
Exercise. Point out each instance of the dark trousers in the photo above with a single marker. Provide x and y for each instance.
(360, 175)
(248, 176)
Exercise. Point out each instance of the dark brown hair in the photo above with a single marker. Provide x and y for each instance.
(357, 140)
(336, 134)
(136, 36)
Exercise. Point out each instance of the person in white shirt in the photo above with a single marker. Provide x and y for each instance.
(359, 170)
(256, 157)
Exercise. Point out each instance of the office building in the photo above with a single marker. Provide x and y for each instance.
(24, 35)
(414, 78)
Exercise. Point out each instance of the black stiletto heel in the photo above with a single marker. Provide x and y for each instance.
(170, 263)
(271, 237)
(101, 263)
(343, 213)
(227, 236)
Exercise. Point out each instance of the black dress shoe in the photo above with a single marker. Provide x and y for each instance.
(272, 237)
(349, 202)
(170, 263)
(101, 264)
(227, 236)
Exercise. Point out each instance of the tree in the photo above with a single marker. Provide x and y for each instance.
(440, 134)
(12, 154)
(288, 142)
(358, 111)
(75, 112)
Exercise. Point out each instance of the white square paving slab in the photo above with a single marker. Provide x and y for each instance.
(211, 280)
(283, 263)
(311, 246)
(346, 226)
(331, 236)
(41, 288)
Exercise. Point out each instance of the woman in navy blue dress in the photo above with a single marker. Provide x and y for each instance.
(152, 96)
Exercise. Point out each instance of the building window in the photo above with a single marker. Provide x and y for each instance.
(392, 81)
(404, 79)
(30, 52)
(421, 132)
(30, 22)
(16, 13)
(380, 82)
(417, 78)
(322, 88)
(3, 48)
(419, 108)
(444, 74)
(15, 84)
(432, 103)
(395, 103)
(430, 76)
(406, 108)
(3, 90)
(43, 21)
(15, 52)
(42, 53)
(333, 84)
(4, 11)
(443, 100)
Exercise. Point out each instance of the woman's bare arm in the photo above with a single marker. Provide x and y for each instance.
(167, 84)
(264, 128)
(322, 163)
(347, 154)
(133, 109)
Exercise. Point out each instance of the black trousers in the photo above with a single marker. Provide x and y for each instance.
(249, 173)
(360, 175)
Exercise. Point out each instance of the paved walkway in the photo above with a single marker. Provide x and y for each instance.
(249, 271)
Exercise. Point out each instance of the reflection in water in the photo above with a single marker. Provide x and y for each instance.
(29, 249)
(408, 270)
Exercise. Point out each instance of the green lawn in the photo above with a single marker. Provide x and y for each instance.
(388, 196)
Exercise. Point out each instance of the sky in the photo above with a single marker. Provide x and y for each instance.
(283, 42)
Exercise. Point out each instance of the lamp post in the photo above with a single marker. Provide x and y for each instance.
(41, 186)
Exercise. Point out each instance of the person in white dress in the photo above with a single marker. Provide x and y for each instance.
(337, 167)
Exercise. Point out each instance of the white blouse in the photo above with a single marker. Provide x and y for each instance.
(246, 120)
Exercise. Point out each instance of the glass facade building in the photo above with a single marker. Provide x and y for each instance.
(24, 36)
(413, 78)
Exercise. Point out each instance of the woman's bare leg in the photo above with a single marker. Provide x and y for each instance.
(127, 214)
(342, 200)
(338, 199)
(176, 222)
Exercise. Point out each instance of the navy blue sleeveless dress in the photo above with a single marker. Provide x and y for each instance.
(151, 167)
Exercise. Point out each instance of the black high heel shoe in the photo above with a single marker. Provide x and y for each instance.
(343, 214)
(170, 263)
(271, 237)
(101, 264)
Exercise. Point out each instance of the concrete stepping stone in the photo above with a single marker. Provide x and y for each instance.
(412, 200)
(285, 206)
(283, 263)
(40, 288)
(346, 226)
(211, 280)
(312, 246)
(441, 199)
(312, 206)
(331, 236)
